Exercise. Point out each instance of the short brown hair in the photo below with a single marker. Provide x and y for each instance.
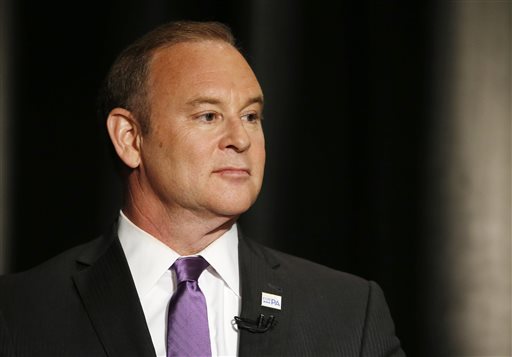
(125, 84)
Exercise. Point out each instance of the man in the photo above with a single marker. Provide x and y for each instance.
(183, 111)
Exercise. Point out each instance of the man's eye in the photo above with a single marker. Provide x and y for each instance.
(208, 117)
(252, 117)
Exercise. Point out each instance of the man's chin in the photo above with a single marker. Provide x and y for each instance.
(231, 210)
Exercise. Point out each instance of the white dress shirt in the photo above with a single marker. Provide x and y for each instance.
(149, 260)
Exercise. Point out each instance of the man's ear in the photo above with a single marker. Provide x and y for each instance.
(125, 134)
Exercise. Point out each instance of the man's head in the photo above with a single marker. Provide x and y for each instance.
(184, 115)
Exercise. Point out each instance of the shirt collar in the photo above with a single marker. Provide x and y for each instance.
(149, 258)
(222, 254)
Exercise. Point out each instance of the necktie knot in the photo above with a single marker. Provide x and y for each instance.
(189, 268)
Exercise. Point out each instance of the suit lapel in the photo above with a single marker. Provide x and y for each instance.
(110, 299)
(259, 273)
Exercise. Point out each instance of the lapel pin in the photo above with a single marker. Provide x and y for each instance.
(271, 300)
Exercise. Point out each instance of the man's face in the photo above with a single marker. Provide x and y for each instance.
(205, 150)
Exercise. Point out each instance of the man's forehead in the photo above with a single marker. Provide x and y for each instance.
(198, 52)
(203, 56)
(204, 69)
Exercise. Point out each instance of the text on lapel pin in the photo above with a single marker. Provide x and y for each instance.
(270, 300)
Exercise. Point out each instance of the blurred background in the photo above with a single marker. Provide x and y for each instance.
(388, 128)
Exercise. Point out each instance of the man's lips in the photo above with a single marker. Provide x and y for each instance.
(233, 171)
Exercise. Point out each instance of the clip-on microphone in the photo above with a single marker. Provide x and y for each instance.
(261, 325)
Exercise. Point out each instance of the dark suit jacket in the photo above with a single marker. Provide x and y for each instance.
(84, 303)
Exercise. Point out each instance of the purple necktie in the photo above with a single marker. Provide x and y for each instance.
(187, 323)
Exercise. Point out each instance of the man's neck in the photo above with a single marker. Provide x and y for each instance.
(184, 232)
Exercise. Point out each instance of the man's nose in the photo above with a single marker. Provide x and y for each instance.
(235, 135)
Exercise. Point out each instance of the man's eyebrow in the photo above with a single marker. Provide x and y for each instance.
(258, 100)
(215, 101)
(202, 100)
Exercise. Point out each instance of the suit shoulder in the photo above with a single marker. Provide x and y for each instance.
(304, 269)
(60, 265)
(348, 305)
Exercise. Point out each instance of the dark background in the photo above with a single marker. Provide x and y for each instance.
(347, 121)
